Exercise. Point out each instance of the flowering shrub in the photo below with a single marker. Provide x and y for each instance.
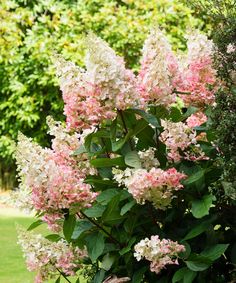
(126, 186)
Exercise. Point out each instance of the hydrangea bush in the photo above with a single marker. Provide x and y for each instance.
(126, 187)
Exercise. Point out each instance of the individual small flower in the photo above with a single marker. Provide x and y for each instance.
(159, 74)
(159, 252)
(115, 279)
(155, 185)
(198, 75)
(46, 257)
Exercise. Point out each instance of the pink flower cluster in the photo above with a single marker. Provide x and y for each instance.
(159, 74)
(53, 177)
(46, 257)
(198, 74)
(155, 185)
(95, 94)
(159, 252)
(181, 139)
(196, 120)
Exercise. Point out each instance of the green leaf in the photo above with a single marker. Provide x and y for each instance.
(151, 119)
(53, 237)
(109, 248)
(95, 211)
(95, 245)
(201, 207)
(191, 110)
(185, 254)
(105, 196)
(198, 262)
(215, 251)
(107, 261)
(128, 247)
(98, 278)
(140, 126)
(179, 275)
(127, 207)
(35, 224)
(184, 274)
(68, 227)
(132, 159)
(95, 181)
(175, 114)
(199, 175)
(198, 229)
(189, 276)
(112, 212)
(116, 145)
(80, 227)
(138, 275)
(113, 129)
(80, 150)
(58, 280)
(108, 162)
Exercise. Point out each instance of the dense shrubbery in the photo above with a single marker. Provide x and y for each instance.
(128, 186)
(32, 30)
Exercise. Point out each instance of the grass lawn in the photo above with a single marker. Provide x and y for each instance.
(12, 264)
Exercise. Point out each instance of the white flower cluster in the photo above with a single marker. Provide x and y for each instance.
(33, 162)
(159, 69)
(154, 185)
(158, 252)
(178, 137)
(46, 257)
(107, 70)
(64, 144)
(148, 159)
(198, 46)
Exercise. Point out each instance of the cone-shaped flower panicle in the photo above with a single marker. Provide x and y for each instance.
(159, 72)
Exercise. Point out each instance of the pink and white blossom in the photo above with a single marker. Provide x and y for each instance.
(46, 257)
(159, 252)
(159, 73)
(154, 185)
(198, 75)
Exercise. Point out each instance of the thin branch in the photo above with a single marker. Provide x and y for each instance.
(125, 127)
(181, 92)
(101, 228)
(63, 275)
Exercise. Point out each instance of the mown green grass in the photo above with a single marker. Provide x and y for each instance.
(12, 263)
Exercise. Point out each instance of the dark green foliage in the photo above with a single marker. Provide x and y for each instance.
(224, 113)
(198, 218)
